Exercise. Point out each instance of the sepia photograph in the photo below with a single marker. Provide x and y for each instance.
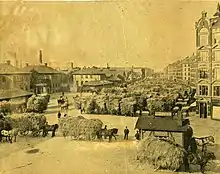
(109, 86)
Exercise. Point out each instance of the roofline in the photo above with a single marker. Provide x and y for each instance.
(88, 73)
(15, 73)
(24, 95)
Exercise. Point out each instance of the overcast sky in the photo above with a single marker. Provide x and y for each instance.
(149, 33)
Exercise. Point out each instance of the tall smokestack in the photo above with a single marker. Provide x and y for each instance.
(40, 57)
(71, 65)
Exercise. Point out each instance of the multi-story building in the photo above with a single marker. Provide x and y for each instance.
(44, 79)
(208, 52)
(182, 70)
(13, 77)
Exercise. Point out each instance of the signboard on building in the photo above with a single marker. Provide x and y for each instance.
(216, 112)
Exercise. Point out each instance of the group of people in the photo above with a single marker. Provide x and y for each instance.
(59, 115)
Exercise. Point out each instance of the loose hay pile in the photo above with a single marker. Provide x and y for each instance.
(80, 127)
(37, 104)
(160, 154)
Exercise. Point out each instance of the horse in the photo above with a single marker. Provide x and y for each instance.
(204, 141)
(50, 128)
(64, 106)
(107, 133)
(201, 158)
(60, 101)
(9, 134)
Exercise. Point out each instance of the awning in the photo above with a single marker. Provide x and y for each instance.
(185, 108)
(193, 104)
(41, 84)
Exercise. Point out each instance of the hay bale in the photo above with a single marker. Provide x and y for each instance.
(160, 154)
(80, 127)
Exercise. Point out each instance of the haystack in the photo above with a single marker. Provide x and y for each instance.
(127, 106)
(80, 127)
(160, 154)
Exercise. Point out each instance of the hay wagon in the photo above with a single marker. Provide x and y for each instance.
(165, 125)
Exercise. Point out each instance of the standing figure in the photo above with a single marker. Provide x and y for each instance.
(45, 131)
(59, 115)
(105, 131)
(187, 140)
(137, 135)
(126, 132)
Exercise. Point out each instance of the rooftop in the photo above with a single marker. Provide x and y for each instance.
(13, 93)
(10, 69)
(42, 69)
(97, 83)
(159, 124)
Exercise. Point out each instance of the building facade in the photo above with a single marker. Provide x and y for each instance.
(182, 70)
(208, 52)
(12, 77)
(44, 79)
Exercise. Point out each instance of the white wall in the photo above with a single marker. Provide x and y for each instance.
(216, 112)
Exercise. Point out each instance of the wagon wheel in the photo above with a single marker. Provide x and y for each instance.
(72, 137)
(23, 133)
(35, 133)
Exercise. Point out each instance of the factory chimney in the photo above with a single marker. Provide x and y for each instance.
(40, 57)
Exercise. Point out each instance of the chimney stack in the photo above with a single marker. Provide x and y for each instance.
(8, 62)
(26, 64)
(71, 65)
(40, 57)
(20, 63)
(45, 64)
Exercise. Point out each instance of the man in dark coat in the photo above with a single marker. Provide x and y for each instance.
(187, 140)
(59, 115)
(137, 135)
(126, 132)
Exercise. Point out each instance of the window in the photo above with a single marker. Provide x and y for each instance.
(216, 38)
(81, 76)
(217, 55)
(216, 90)
(90, 76)
(217, 73)
(3, 79)
(86, 76)
(81, 82)
(203, 39)
(77, 83)
(203, 36)
(203, 74)
(204, 55)
(203, 90)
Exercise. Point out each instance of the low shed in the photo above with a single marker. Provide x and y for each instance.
(160, 124)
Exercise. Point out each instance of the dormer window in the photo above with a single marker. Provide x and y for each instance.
(203, 37)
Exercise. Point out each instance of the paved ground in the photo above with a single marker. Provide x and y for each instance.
(59, 155)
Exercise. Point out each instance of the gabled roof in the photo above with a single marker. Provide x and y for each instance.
(114, 78)
(159, 124)
(42, 69)
(13, 93)
(10, 69)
